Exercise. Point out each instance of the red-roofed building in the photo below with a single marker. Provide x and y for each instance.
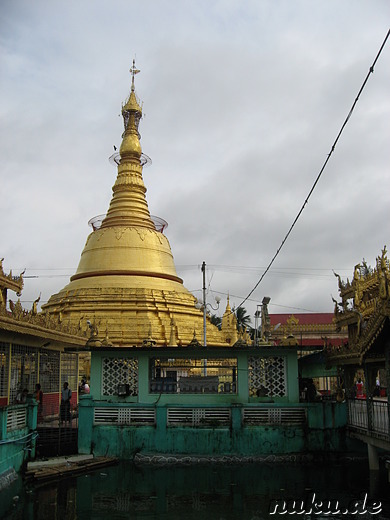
(314, 333)
(311, 330)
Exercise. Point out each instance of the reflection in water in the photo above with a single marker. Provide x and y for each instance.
(217, 492)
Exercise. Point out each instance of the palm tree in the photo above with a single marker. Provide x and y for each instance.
(216, 320)
(243, 319)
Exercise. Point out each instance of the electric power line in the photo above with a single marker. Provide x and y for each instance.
(371, 71)
(267, 269)
(283, 271)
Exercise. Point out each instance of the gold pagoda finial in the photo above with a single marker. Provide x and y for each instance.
(126, 278)
(128, 206)
(133, 72)
(132, 104)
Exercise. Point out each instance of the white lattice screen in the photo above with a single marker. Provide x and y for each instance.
(267, 376)
(194, 417)
(253, 416)
(16, 419)
(119, 371)
(125, 415)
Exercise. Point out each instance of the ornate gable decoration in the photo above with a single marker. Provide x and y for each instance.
(11, 282)
(16, 314)
(291, 324)
(364, 308)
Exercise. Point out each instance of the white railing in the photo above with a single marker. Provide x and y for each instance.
(380, 417)
(358, 417)
(357, 414)
(207, 417)
(124, 416)
(16, 419)
(260, 416)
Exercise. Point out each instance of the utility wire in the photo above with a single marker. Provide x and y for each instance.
(371, 71)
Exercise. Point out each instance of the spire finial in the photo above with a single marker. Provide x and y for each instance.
(133, 72)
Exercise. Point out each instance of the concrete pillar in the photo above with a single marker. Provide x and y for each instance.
(32, 413)
(387, 464)
(3, 422)
(373, 459)
(161, 443)
(375, 481)
(85, 433)
(32, 418)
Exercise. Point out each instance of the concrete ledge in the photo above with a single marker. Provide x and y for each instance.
(383, 443)
(58, 461)
(7, 477)
(73, 466)
(188, 460)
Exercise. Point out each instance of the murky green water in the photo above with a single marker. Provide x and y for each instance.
(244, 492)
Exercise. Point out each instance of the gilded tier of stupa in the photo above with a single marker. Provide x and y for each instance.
(126, 288)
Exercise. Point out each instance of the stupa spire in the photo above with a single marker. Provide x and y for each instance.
(126, 277)
(229, 324)
(133, 72)
(128, 205)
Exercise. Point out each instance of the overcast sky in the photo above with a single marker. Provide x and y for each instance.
(242, 103)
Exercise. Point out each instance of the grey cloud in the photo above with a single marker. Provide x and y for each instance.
(242, 104)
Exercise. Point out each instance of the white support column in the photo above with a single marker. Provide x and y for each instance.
(373, 459)
(387, 464)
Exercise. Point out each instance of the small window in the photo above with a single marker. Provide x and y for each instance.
(193, 376)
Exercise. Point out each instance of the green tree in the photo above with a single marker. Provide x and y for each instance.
(216, 320)
(243, 319)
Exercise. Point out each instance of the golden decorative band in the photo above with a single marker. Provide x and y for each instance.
(126, 273)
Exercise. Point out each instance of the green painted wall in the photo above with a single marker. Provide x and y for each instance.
(322, 430)
(319, 370)
(241, 396)
(13, 443)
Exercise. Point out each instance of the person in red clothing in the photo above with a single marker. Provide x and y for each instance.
(359, 388)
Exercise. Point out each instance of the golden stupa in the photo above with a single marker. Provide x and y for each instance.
(126, 288)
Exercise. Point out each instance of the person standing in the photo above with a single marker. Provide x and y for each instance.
(359, 388)
(84, 387)
(39, 399)
(66, 395)
(21, 398)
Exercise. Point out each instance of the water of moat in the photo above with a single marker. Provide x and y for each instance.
(210, 491)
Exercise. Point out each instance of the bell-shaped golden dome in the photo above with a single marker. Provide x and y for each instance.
(126, 281)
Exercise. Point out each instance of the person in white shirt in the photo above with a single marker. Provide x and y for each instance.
(84, 387)
(66, 396)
